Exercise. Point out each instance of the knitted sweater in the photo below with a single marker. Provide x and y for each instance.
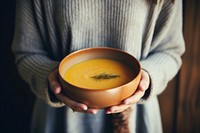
(48, 30)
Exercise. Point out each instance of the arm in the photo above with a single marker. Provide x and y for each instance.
(162, 60)
(34, 62)
(32, 59)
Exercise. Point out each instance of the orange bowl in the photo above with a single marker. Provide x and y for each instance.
(99, 98)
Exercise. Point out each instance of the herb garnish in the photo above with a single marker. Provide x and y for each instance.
(105, 76)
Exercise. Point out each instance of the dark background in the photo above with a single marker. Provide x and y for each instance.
(180, 102)
(16, 100)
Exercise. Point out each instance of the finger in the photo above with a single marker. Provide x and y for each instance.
(92, 111)
(53, 82)
(55, 87)
(142, 87)
(135, 98)
(75, 106)
(145, 81)
(116, 109)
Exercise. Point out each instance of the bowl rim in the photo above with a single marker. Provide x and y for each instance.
(97, 48)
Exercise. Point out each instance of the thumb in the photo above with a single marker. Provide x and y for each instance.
(53, 82)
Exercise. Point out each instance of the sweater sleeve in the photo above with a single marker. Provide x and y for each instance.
(164, 58)
(32, 59)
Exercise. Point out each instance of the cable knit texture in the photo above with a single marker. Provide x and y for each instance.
(48, 30)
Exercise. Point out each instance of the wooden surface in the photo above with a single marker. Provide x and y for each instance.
(180, 102)
(188, 116)
(167, 101)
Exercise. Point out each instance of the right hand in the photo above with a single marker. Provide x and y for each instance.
(57, 90)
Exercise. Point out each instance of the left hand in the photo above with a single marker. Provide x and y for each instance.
(142, 87)
(57, 90)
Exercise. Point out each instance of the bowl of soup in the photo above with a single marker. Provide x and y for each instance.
(99, 77)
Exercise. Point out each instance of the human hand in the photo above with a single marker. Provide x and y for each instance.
(57, 90)
(142, 87)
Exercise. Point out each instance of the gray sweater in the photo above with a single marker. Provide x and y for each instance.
(48, 30)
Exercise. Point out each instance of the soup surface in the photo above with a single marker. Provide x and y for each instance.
(99, 74)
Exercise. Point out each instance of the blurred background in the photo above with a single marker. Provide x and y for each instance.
(180, 102)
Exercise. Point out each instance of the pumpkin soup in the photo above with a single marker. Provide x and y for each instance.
(99, 74)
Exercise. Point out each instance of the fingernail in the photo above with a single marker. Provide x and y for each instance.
(94, 112)
(126, 102)
(113, 110)
(85, 108)
(108, 112)
(57, 90)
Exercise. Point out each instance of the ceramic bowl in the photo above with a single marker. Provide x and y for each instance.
(101, 98)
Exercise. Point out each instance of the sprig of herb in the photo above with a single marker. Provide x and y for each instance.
(105, 76)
